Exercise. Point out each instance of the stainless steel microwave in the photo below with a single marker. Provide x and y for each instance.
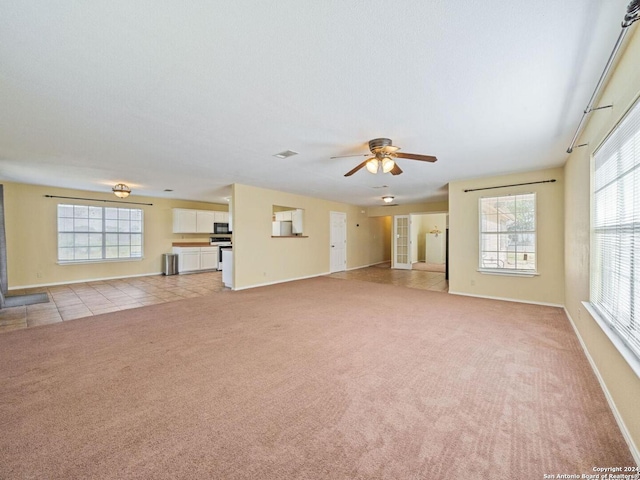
(219, 228)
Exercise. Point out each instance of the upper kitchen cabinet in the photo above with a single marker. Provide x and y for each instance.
(194, 221)
(204, 221)
(184, 221)
(287, 221)
(221, 217)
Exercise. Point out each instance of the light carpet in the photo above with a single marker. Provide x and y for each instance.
(316, 379)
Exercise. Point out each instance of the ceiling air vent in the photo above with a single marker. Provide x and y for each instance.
(285, 154)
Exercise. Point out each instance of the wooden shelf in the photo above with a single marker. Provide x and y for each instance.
(289, 236)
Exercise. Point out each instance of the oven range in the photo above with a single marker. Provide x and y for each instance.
(222, 243)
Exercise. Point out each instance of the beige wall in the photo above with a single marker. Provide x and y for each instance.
(260, 259)
(424, 224)
(379, 240)
(31, 230)
(408, 209)
(620, 381)
(464, 278)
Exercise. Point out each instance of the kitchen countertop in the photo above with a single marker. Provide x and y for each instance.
(190, 244)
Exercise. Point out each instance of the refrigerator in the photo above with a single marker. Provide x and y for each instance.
(281, 228)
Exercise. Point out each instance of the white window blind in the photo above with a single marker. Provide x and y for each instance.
(615, 237)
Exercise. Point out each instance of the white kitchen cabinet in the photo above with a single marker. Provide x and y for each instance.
(285, 216)
(196, 221)
(221, 217)
(204, 221)
(208, 258)
(297, 221)
(184, 221)
(189, 260)
(195, 259)
(227, 267)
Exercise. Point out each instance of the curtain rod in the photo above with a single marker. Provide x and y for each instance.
(633, 14)
(512, 185)
(99, 200)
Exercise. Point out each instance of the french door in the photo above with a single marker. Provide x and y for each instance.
(401, 257)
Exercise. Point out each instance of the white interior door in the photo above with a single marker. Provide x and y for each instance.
(338, 238)
(401, 242)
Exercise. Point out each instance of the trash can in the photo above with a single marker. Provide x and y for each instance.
(170, 263)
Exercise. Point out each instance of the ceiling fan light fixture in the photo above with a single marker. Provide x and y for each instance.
(387, 164)
(121, 190)
(387, 198)
(372, 165)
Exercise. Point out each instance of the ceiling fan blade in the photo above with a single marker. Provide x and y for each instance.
(415, 156)
(351, 172)
(396, 170)
(356, 155)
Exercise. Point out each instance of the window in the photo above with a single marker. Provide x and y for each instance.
(88, 233)
(508, 233)
(615, 231)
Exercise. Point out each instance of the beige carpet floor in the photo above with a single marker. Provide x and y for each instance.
(316, 379)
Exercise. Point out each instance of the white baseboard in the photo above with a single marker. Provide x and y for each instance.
(616, 414)
(101, 279)
(365, 266)
(504, 299)
(266, 284)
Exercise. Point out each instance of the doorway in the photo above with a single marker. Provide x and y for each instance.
(429, 241)
(401, 258)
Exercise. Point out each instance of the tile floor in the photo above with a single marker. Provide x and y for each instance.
(383, 273)
(67, 302)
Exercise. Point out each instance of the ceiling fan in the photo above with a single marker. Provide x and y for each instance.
(384, 158)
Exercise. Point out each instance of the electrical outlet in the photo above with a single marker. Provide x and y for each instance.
(39, 275)
(472, 283)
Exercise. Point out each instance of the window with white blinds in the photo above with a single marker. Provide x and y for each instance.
(615, 236)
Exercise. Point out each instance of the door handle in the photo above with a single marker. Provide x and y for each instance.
(333, 246)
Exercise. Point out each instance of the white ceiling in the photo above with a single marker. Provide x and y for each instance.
(194, 96)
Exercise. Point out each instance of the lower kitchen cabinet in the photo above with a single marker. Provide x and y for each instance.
(209, 258)
(194, 259)
(188, 261)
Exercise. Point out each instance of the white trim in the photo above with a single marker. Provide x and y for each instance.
(266, 284)
(508, 273)
(615, 339)
(365, 266)
(504, 299)
(38, 285)
(99, 260)
(616, 414)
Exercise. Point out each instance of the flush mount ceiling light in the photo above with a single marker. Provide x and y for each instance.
(121, 190)
(388, 198)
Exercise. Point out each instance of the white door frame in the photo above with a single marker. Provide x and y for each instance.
(398, 254)
(333, 267)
